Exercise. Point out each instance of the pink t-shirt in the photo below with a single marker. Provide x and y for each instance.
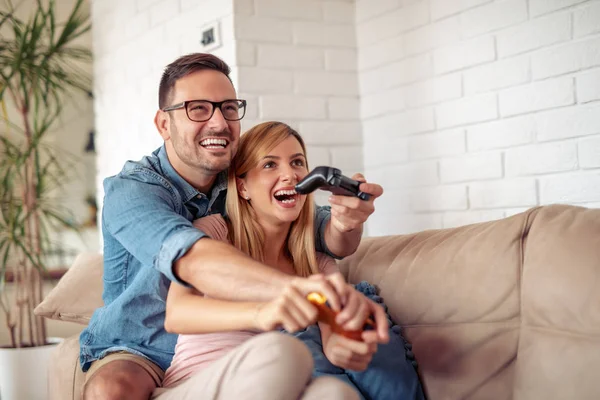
(194, 352)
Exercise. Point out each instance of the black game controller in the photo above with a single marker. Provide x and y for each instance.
(331, 179)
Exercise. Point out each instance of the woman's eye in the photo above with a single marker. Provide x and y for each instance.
(269, 164)
(298, 162)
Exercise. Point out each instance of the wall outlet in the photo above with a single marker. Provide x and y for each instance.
(210, 36)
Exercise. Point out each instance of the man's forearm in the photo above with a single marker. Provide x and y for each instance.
(221, 271)
(342, 244)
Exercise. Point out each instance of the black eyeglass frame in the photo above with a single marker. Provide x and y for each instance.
(215, 105)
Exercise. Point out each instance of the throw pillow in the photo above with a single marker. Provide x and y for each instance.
(77, 294)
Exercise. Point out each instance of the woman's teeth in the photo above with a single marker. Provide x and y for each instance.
(285, 196)
(285, 193)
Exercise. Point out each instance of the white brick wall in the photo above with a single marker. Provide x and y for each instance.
(587, 86)
(464, 54)
(570, 57)
(503, 193)
(292, 60)
(127, 72)
(587, 19)
(465, 110)
(304, 72)
(514, 88)
(444, 8)
(537, 96)
(589, 152)
(534, 34)
(498, 75)
(538, 7)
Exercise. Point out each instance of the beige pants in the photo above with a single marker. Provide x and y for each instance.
(268, 366)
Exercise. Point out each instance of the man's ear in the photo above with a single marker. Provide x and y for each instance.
(161, 120)
(241, 187)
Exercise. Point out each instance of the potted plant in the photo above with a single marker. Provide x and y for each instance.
(40, 67)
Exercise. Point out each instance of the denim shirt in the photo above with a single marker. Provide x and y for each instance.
(147, 226)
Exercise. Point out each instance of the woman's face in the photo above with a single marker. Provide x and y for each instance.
(270, 185)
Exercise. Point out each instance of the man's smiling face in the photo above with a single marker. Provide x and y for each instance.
(209, 145)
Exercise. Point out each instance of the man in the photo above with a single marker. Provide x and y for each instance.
(149, 240)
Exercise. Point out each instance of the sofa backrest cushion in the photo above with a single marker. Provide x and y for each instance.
(559, 345)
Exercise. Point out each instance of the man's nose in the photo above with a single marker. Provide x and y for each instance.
(217, 122)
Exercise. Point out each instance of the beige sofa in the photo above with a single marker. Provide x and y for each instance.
(508, 309)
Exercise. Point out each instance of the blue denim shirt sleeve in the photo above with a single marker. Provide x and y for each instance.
(143, 217)
(322, 217)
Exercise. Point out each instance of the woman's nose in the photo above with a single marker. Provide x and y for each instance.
(289, 175)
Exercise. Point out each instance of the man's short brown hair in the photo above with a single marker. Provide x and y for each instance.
(186, 65)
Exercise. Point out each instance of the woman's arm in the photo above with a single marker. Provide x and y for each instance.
(188, 312)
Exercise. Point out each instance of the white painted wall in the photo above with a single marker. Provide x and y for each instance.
(475, 110)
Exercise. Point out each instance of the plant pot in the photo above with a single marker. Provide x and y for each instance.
(24, 371)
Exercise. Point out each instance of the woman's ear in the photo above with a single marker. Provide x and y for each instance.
(241, 187)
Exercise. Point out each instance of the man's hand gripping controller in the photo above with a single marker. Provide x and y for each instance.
(331, 179)
(327, 316)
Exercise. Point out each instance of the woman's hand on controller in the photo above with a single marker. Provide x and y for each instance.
(331, 286)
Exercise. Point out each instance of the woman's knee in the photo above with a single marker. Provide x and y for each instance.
(328, 387)
(291, 353)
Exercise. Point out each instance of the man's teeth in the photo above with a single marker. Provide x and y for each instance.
(214, 142)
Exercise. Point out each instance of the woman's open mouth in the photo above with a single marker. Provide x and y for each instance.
(286, 198)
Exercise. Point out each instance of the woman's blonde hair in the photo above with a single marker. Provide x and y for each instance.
(244, 231)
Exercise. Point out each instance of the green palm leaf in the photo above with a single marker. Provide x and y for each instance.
(40, 66)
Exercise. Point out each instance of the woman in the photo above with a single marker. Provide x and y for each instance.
(270, 222)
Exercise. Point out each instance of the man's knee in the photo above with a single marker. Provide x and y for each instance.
(119, 380)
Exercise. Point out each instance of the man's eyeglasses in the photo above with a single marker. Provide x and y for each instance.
(203, 110)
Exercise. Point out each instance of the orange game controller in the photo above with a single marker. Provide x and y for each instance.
(327, 316)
